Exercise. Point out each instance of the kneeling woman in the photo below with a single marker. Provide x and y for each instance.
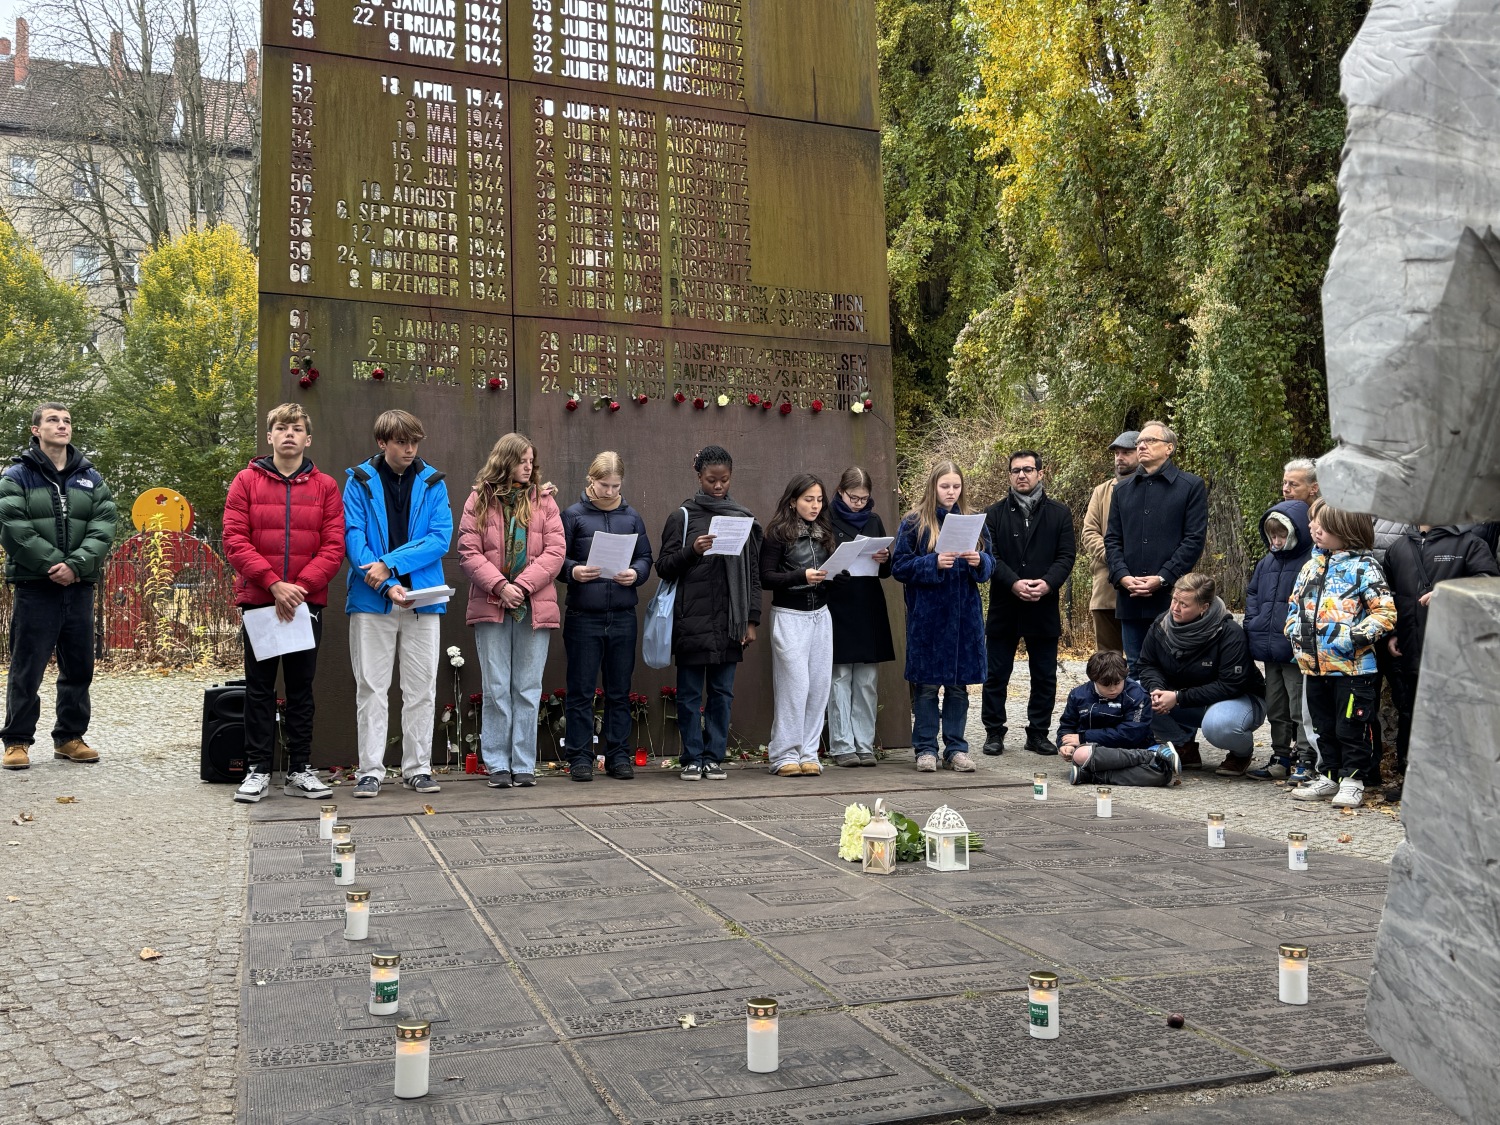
(714, 616)
(1195, 662)
(510, 544)
(799, 540)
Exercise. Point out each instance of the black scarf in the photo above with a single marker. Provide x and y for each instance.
(1187, 638)
(737, 569)
(856, 520)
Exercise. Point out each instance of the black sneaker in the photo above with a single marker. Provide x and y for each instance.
(691, 772)
(624, 771)
(500, 779)
(994, 743)
(522, 780)
(714, 771)
(582, 769)
(421, 783)
(1040, 744)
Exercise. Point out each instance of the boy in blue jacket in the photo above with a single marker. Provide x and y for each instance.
(398, 527)
(1288, 541)
(1105, 730)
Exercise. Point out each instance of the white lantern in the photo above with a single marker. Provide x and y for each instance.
(879, 839)
(947, 840)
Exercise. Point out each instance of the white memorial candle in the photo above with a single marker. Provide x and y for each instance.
(343, 865)
(357, 913)
(339, 834)
(1039, 787)
(1292, 979)
(1216, 830)
(1296, 851)
(413, 1058)
(1042, 995)
(1104, 804)
(385, 980)
(762, 1051)
(327, 816)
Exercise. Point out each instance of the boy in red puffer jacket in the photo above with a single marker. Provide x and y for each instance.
(284, 536)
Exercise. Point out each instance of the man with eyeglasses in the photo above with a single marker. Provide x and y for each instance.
(1095, 522)
(1034, 549)
(1158, 523)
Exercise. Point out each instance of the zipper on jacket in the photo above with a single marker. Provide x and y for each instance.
(286, 538)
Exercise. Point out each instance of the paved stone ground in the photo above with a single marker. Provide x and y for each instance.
(93, 1034)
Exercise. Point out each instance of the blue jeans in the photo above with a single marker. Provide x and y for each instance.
(954, 716)
(1133, 634)
(1229, 725)
(595, 643)
(704, 737)
(511, 657)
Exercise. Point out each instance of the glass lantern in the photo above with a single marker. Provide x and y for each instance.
(947, 839)
(879, 836)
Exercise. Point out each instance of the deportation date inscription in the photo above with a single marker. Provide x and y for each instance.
(449, 34)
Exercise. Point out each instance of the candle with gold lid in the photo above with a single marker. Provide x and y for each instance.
(1216, 830)
(762, 1049)
(328, 815)
(385, 981)
(413, 1058)
(357, 913)
(1292, 979)
(1296, 851)
(339, 834)
(1039, 787)
(1042, 1005)
(1104, 803)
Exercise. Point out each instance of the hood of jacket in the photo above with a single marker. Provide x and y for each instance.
(77, 462)
(267, 465)
(1295, 512)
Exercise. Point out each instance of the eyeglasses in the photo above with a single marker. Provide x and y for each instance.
(1021, 472)
(855, 499)
(1140, 441)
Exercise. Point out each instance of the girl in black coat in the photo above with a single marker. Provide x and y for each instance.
(799, 540)
(715, 614)
(861, 627)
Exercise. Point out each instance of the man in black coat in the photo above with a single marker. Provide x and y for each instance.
(1034, 552)
(1414, 564)
(1157, 526)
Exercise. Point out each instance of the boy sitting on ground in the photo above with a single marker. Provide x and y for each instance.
(1105, 730)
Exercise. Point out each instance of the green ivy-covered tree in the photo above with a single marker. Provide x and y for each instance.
(945, 257)
(181, 405)
(45, 329)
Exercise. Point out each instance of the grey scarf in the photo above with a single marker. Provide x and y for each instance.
(737, 569)
(1185, 639)
(1028, 500)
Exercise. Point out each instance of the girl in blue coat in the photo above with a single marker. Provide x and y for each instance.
(944, 620)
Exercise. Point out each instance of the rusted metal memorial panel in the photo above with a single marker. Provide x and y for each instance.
(476, 210)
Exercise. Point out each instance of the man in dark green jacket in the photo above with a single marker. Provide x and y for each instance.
(57, 520)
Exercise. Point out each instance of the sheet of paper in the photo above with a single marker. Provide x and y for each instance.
(429, 595)
(865, 566)
(730, 534)
(611, 553)
(846, 556)
(959, 534)
(270, 636)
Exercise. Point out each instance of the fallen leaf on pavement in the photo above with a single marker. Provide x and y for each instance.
(12, 898)
(687, 1020)
(1345, 838)
(428, 810)
(1347, 812)
(149, 954)
(22, 818)
(67, 800)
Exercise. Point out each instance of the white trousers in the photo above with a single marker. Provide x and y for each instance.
(375, 642)
(801, 674)
(851, 709)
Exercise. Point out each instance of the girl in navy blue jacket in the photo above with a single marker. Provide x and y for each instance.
(599, 628)
(944, 620)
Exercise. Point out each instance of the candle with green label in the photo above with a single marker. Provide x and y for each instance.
(385, 979)
(1042, 1006)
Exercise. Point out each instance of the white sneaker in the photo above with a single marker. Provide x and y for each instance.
(253, 788)
(1319, 788)
(305, 783)
(1351, 794)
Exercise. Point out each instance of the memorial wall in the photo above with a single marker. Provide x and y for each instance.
(638, 225)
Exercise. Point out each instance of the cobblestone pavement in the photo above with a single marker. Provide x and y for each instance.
(1261, 808)
(144, 855)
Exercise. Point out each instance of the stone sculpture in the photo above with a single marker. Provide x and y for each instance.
(1411, 311)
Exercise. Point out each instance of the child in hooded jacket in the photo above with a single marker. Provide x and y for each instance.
(1288, 541)
(1339, 610)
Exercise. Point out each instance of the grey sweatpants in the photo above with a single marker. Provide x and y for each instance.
(801, 672)
(1284, 710)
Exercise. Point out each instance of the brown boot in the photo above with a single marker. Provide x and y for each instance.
(17, 756)
(1191, 759)
(76, 750)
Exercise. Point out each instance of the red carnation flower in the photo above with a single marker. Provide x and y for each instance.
(679, 397)
(766, 404)
(640, 400)
(304, 382)
(598, 692)
(817, 406)
(559, 693)
(314, 372)
(613, 406)
(571, 404)
(494, 383)
(753, 399)
(476, 697)
(869, 404)
(699, 404)
(378, 373)
(786, 408)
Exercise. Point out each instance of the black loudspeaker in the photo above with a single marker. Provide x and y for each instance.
(223, 753)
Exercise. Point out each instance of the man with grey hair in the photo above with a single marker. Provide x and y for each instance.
(1299, 480)
(1158, 523)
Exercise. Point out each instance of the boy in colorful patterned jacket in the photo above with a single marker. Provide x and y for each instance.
(1339, 610)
